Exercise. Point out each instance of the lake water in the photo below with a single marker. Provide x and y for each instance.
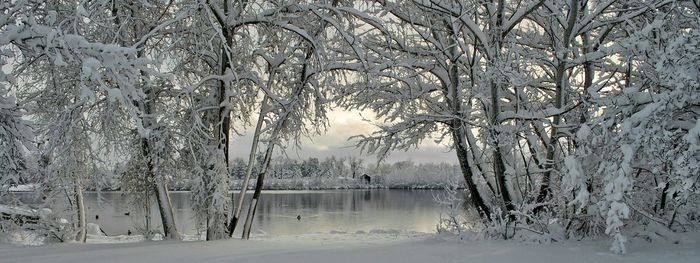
(320, 211)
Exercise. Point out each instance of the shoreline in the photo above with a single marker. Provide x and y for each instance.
(339, 248)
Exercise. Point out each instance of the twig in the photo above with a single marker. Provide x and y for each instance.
(651, 217)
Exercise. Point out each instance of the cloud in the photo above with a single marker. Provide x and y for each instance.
(343, 125)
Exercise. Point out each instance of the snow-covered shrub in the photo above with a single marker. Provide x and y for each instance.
(639, 159)
(455, 218)
(28, 226)
(15, 137)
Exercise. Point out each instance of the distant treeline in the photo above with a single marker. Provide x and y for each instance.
(314, 173)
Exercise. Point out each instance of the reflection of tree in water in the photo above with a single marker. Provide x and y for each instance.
(367, 195)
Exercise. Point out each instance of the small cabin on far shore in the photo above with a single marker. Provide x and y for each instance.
(366, 178)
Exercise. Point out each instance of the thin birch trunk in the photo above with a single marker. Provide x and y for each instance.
(303, 77)
(258, 186)
(249, 170)
(270, 148)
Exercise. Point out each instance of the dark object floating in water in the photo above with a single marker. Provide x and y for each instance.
(128, 232)
(127, 213)
(299, 217)
(97, 217)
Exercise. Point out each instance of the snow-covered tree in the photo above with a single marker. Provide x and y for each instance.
(509, 84)
(16, 137)
(637, 158)
(83, 87)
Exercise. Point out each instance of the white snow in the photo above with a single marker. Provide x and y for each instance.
(17, 210)
(358, 247)
(22, 188)
(102, 239)
(21, 238)
(94, 229)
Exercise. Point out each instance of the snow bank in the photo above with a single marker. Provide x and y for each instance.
(94, 229)
(102, 239)
(306, 249)
(22, 238)
(339, 236)
(13, 210)
(22, 188)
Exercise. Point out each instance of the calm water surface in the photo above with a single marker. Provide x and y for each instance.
(320, 211)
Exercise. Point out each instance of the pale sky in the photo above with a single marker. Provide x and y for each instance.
(344, 124)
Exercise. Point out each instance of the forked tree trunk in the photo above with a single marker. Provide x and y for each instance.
(303, 77)
(249, 170)
(455, 99)
(274, 137)
(476, 160)
(258, 189)
(465, 167)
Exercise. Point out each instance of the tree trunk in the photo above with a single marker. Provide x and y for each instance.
(249, 170)
(258, 188)
(160, 183)
(664, 196)
(216, 182)
(560, 78)
(80, 204)
(465, 167)
(147, 149)
(476, 160)
(499, 166)
(147, 211)
(303, 78)
(222, 124)
(223, 117)
(165, 208)
(455, 98)
(270, 148)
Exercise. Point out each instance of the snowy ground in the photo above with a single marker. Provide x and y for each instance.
(362, 247)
